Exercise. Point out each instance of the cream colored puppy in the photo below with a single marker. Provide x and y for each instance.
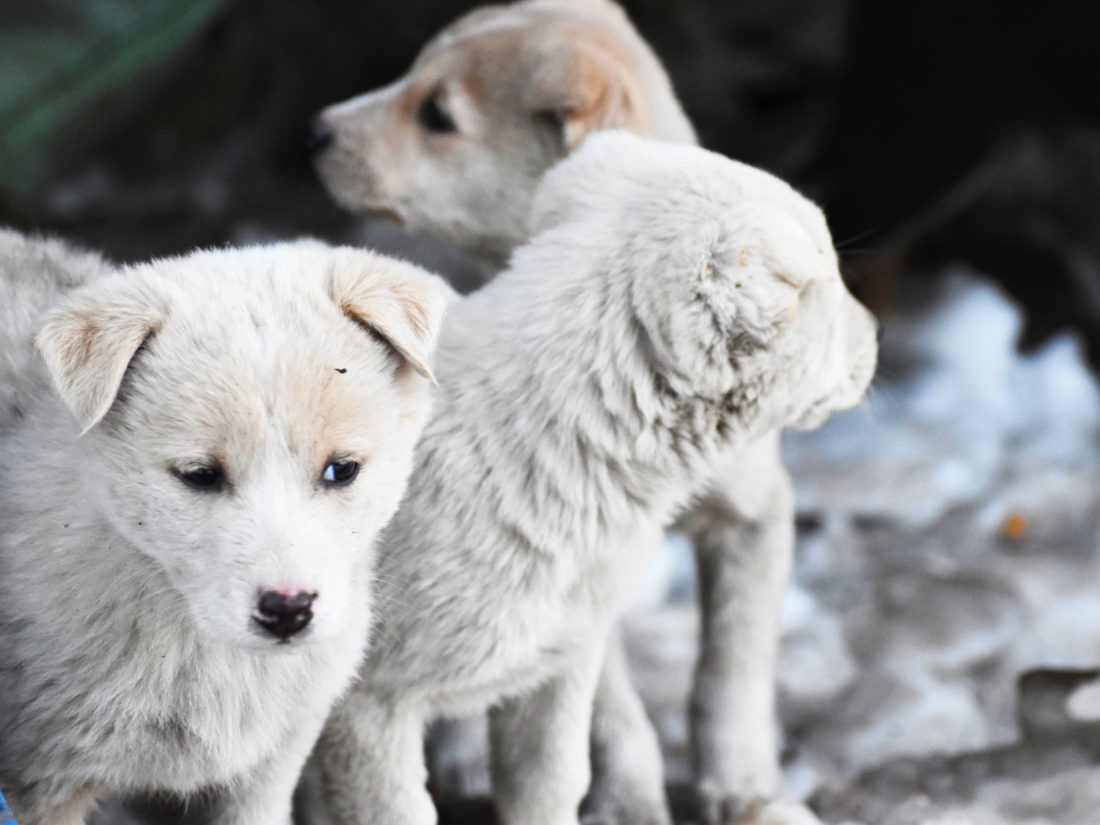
(186, 518)
(672, 307)
(457, 146)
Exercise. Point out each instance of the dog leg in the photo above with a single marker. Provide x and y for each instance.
(369, 763)
(540, 746)
(744, 556)
(627, 769)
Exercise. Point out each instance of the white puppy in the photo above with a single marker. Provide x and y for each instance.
(672, 307)
(457, 146)
(186, 523)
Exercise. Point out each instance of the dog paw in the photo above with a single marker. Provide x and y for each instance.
(715, 809)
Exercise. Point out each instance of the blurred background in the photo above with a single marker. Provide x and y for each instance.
(943, 629)
(941, 130)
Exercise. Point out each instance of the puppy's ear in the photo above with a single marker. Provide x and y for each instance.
(89, 341)
(587, 89)
(769, 256)
(400, 303)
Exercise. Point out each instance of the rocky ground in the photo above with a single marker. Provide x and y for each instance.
(945, 611)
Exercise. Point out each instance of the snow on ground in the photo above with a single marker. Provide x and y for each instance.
(948, 542)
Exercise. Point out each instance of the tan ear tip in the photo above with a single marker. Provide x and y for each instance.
(417, 366)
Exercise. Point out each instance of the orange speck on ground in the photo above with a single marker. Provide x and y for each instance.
(1015, 526)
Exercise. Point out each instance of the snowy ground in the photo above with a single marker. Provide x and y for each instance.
(948, 543)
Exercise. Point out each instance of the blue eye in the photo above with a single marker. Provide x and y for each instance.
(341, 471)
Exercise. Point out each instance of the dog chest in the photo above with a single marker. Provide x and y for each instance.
(487, 629)
(145, 704)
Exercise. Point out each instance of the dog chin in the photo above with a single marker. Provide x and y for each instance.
(256, 638)
(384, 213)
(355, 196)
(358, 205)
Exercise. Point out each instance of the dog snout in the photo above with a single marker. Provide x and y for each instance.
(319, 136)
(282, 613)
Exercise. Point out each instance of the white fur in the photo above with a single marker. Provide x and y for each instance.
(36, 273)
(673, 307)
(129, 659)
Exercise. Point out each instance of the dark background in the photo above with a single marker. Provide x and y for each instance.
(932, 132)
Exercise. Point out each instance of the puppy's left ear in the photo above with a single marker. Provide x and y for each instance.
(89, 341)
(770, 257)
(586, 89)
(398, 302)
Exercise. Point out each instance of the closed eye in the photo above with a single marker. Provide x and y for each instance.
(433, 117)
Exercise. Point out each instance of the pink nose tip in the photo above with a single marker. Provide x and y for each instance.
(282, 614)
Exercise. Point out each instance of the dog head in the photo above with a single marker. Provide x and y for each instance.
(729, 275)
(248, 419)
(457, 145)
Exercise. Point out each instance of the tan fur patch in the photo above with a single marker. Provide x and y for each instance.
(590, 79)
(325, 414)
(78, 349)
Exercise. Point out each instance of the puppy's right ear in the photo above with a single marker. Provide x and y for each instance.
(586, 88)
(400, 303)
(89, 341)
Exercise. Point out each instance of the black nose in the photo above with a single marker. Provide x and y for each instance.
(319, 135)
(283, 615)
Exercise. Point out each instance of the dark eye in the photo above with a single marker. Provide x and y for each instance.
(340, 471)
(208, 478)
(433, 116)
